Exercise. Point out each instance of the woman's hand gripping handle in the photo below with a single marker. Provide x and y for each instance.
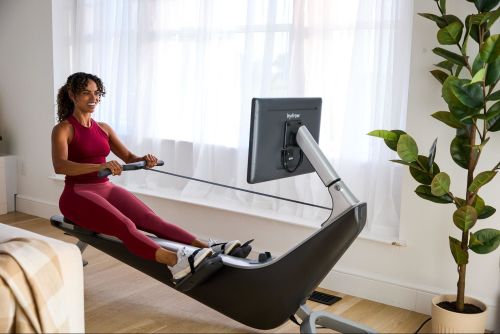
(114, 168)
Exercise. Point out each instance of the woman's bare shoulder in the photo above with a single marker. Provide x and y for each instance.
(106, 127)
(103, 125)
(63, 128)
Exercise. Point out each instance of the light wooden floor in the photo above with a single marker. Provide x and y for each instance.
(120, 299)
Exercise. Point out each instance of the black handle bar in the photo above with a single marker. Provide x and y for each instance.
(130, 166)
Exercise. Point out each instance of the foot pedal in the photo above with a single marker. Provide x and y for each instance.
(323, 298)
(206, 269)
(243, 250)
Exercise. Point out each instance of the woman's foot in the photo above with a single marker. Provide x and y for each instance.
(187, 261)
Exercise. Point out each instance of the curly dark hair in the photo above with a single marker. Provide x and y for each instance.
(76, 83)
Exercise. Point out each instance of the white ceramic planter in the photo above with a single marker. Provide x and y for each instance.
(444, 321)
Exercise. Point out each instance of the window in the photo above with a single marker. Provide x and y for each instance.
(180, 75)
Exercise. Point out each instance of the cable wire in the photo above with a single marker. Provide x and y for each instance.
(422, 325)
(240, 189)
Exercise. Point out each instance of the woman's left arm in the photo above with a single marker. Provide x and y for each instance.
(122, 152)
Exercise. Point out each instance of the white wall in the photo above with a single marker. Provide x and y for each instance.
(402, 276)
(26, 91)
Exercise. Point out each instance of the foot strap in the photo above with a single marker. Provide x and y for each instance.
(205, 270)
(191, 260)
(223, 246)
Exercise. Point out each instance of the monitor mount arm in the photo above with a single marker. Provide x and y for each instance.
(323, 168)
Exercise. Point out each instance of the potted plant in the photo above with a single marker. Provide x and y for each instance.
(469, 72)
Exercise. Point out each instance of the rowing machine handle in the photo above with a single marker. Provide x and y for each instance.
(131, 166)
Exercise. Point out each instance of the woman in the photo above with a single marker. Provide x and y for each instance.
(79, 150)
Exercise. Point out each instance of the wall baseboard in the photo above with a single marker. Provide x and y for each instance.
(36, 207)
(378, 289)
(413, 298)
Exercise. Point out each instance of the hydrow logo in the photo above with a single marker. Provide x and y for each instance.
(292, 115)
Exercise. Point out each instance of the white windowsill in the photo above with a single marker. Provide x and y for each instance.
(263, 214)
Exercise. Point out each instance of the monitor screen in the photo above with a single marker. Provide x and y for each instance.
(273, 152)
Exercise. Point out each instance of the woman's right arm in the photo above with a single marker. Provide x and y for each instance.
(61, 135)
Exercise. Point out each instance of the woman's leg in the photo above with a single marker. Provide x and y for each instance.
(148, 221)
(87, 206)
(145, 219)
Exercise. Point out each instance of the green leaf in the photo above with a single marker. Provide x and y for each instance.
(460, 151)
(469, 94)
(487, 212)
(473, 22)
(441, 76)
(473, 241)
(461, 113)
(475, 19)
(464, 99)
(479, 76)
(449, 19)
(440, 184)
(448, 118)
(490, 49)
(492, 111)
(450, 34)
(486, 20)
(460, 202)
(480, 180)
(423, 176)
(438, 19)
(432, 155)
(458, 70)
(393, 144)
(485, 5)
(389, 135)
(461, 256)
(464, 132)
(480, 146)
(401, 162)
(494, 96)
(452, 57)
(477, 65)
(441, 21)
(407, 148)
(424, 192)
(493, 72)
(479, 205)
(490, 18)
(494, 125)
(465, 217)
(391, 138)
(446, 64)
(493, 117)
(442, 5)
(484, 241)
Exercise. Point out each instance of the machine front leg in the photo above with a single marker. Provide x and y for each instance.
(328, 320)
(81, 246)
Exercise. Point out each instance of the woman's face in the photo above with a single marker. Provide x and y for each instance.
(86, 101)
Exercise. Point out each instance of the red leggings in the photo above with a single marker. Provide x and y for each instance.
(110, 209)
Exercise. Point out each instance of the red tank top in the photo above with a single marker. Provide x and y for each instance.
(89, 145)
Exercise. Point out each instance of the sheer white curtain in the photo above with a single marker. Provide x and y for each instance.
(180, 76)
